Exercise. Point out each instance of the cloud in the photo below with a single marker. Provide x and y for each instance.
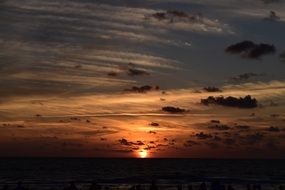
(134, 72)
(177, 16)
(249, 49)
(242, 127)
(171, 109)
(8, 125)
(253, 138)
(125, 142)
(112, 74)
(215, 121)
(152, 132)
(91, 133)
(142, 89)
(203, 136)
(272, 129)
(260, 50)
(148, 147)
(245, 77)
(246, 102)
(220, 127)
(180, 20)
(154, 124)
(190, 143)
(212, 89)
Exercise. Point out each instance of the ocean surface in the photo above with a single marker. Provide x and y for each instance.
(57, 172)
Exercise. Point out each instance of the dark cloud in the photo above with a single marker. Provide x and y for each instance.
(152, 132)
(78, 66)
(6, 125)
(246, 102)
(162, 145)
(242, 127)
(154, 124)
(134, 72)
(91, 133)
(274, 115)
(149, 147)
(253, 138)
(273, 129)
(212, 89)
(190, 143)
(203, 136)
(172, 16)
(249, 49)
(240, 47)
(75, 119)
(138, 143)
(261, 49)
(112, 74)
(171, 109)
(212, 141)
(125, 142)
(171, 142)
(142, 89)
(215, 121)
(245, 77)
(159, 15)
(177, 13)
(220, 127)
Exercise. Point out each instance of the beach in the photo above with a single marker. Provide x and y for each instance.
(57, 173)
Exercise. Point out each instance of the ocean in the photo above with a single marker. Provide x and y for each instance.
(56, 173)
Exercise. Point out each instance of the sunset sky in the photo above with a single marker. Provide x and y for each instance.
(125, 78)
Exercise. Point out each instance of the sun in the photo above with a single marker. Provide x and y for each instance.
(143, 153)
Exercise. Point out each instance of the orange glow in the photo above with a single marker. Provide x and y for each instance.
(143, 153)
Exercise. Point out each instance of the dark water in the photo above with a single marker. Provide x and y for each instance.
(126, 171)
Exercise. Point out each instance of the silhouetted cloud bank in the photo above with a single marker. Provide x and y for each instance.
(246, 102)
(142, 89)
(212, 89)
(171, 109)
(249, 49)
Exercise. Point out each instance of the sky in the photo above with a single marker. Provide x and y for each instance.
(132, 78)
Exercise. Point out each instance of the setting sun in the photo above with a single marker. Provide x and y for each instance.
(143, 153)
